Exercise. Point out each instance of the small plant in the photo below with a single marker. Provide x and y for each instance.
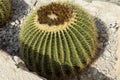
(58, 40)
(4, 11)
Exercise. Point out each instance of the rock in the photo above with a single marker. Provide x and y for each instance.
(17, 22)
(13, 23)
(9, 71)
(95, 72)
(107, 54)
(100, 45)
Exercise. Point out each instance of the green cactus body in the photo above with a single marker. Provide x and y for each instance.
(58, 39)
(4, 11)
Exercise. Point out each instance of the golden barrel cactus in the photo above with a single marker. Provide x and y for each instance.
(58, 39)
(4, 11)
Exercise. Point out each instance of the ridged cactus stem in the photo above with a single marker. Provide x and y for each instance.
(58, 40)
(5, 8)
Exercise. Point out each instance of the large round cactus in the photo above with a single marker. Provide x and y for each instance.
(4, 11)
(58, 39)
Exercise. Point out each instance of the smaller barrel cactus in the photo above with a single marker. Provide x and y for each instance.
(4, 11)
(58, 40)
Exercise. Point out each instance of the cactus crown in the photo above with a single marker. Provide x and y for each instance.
(54, 17)
(52, 14)
(4, 11)
(58, 39)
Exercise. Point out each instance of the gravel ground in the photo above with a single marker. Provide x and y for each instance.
(103, 66)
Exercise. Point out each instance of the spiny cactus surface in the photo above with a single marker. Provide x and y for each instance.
(4, 11)
(58, 40)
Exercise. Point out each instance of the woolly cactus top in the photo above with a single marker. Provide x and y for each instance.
(54, 14)
(58, 39)
(54, 17)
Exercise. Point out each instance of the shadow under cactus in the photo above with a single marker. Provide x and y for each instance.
(93, 74)
(9, 34)
(102, 37)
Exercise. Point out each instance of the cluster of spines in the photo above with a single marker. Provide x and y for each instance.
(4, 11)
(62, 53)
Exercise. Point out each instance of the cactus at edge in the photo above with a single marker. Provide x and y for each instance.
(58, 40)
(4, 11)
